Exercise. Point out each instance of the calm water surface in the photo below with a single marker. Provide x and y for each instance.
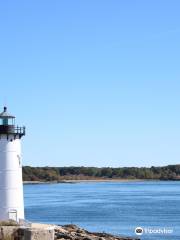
(112, 207)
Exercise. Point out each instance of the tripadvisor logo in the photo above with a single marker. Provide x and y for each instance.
(153, 230)
(139, 231)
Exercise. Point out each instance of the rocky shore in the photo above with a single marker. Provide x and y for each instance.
(38, 231)
(73, 232)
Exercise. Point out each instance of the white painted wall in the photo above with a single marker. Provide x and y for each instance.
(11, 186)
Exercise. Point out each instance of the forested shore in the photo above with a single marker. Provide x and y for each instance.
(46, 174)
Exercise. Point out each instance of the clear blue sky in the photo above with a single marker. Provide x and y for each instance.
(96, 82)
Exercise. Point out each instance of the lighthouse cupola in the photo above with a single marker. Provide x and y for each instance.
(6, 118)
(11, 185)
(7, 125)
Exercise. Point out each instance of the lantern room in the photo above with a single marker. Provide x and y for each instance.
(7, 124)
(6, 118)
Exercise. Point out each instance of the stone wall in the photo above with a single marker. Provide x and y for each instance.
(21, 233)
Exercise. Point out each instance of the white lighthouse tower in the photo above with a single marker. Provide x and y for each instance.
(11, 186)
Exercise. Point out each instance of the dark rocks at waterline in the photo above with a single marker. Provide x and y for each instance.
(73, 232)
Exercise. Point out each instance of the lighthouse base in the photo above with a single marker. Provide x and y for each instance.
(10, 214)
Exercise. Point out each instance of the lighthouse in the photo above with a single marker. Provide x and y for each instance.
(11, 185)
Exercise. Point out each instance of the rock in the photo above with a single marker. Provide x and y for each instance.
(71, 226)
(60, 229)
(80, 230)
(63, 235)
(73, 232)
(87, 238)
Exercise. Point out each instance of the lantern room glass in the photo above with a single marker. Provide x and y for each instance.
(7, 121)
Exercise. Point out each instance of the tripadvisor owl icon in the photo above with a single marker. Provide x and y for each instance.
(139, 231)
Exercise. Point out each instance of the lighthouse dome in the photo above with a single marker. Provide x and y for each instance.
(5, 114)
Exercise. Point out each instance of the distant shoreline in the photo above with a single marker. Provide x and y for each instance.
(103, 174)
(91, 180)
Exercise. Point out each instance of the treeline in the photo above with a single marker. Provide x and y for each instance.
(171, 172)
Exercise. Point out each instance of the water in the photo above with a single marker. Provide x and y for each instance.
(114, 207)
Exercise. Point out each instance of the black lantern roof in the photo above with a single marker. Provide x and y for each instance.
(5, 114)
